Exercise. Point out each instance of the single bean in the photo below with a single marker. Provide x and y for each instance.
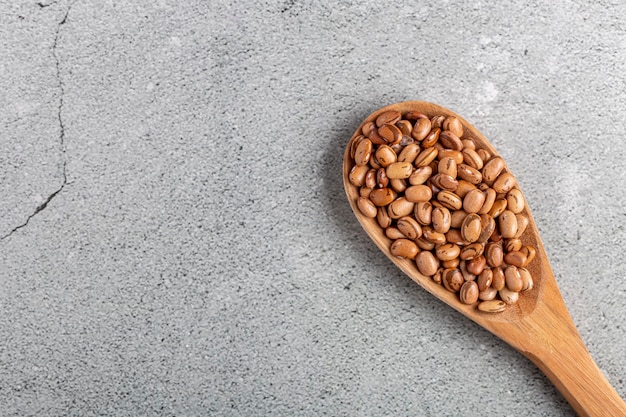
(504, 183)
(357, 175)
(452, 280)
(471, 158)
(492, 306)
(420, 175)
(493, 254)
(421, 129)
(469, 174)
(399, 170)
(513, 278)
(382, 196)
(487, 294)
(507, 224)
(418, 193)
(404, 248)
(469, 292)
(388, 117)
(454, 125)
(447, 251)
(492, 169)
(473, 201)
(426, 263)
(400, 207)
(484, 279)
(471, 227)
(394, 233)
(476, 265)
(423, 213)
(508, 296)
(363, 152)
(499, 281)
(425, 157)
(409, 153)
(366, 207)
(450, 140)
(515, 201)
(391, 133)
(385, 155)
(515, 258)
(409, 227)
(450, 200)
(441, 219)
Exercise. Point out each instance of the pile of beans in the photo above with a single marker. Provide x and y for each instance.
(446, 203)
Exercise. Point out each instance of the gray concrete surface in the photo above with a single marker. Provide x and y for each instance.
(175, 237)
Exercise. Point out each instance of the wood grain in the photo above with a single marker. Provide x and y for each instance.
(539, 325)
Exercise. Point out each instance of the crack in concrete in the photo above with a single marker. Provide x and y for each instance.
(61, 86)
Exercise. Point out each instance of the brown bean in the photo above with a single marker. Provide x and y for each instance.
(508, 296)
(437, 121)
(363, 152)
(409, 227)
(498, 282)
(418, 193)
(467, 276)
(487, 294)
(382, 217)
(450, 140)
(469, 292)
(456, 218)
(454, 236)
(433, 236)
(527, 279)
(423, 213)
(450, 200)
(365, 191)
(507, 224)
(498, 207)
(452, 280)
(447, 251)
(469, 174)
(424, 244)
(471, 251)
(463, 188)
(404, 248)
(431, 139)
(470, 229)
(438, 276)
(415, 115)
(355, 142)
(487, 227)
(399, 170)
(492, 169)
(492, 306)
(388, 117)
(454, 125)
(513, 278)
(405, 127)
(504, 183)
(530, 253)
(447, 166)
(366, 207)
(451, 153)
(394, 233)
(385, 155)
(391, 133)
(484, 279)
(522, 223)
(381, 178)
(476, 265)
(512, 245)
(515, 201)
(452, 263)
(357, 175)
(515, 258)
(484, 154)
(441, 219)
(409, 153)
(490, 198)
(421, 129)
(420, 175)
(425, 157)
(472, 159)
(444, 182)
(383, 196)
(493, 254)
(370, 178)
(426, 263)
(400, 207)
(368, 128)
(468, 144)
(473, 201)
(398, 185)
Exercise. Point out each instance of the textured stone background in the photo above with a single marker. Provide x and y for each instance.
(174, 234)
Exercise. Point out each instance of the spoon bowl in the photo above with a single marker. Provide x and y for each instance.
(538, 325)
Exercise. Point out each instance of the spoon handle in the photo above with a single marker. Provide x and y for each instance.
(549, 338)
(574, 373)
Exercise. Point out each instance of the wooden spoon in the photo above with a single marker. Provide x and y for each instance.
(539, 325)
